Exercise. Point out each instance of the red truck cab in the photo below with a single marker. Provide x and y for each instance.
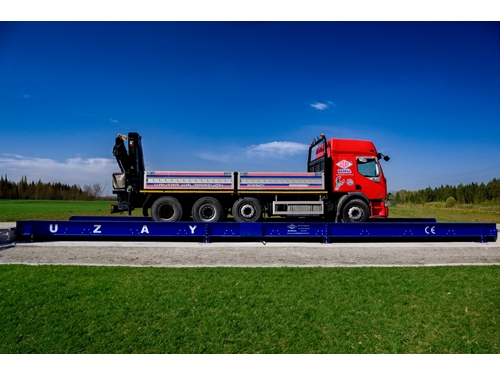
(356, 170)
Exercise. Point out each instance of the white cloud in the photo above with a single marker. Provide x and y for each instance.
(72, 171)
(322, 106)
(276, 149)
(319, 106)
(266, 156)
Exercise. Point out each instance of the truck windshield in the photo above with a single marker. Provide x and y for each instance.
(368, 167)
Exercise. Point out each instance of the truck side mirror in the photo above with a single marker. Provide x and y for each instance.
(382, 156)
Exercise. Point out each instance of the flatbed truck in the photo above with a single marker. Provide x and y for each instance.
(344, 182)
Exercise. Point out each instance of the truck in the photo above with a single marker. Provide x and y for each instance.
(344, 182)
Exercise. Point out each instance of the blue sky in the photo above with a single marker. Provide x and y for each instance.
(249, 96)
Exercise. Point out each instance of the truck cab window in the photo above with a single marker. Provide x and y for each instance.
(368, 167)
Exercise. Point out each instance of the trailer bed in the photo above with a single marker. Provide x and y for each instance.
(231, 181)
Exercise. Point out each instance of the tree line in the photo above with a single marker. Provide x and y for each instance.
(47, 191)
(472, 193)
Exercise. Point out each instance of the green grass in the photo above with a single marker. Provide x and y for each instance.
(71, 309)
(459, 213)
(13, 210)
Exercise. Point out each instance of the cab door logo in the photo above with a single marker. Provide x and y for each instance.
(344, 166)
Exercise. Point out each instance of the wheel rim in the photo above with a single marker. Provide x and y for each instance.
(355, 213)
(207, 212)
(247, 211)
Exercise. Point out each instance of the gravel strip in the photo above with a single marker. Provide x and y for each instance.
(176, 254)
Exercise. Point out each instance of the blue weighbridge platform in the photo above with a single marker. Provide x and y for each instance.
(88, 228)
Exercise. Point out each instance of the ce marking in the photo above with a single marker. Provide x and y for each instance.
(429, 230)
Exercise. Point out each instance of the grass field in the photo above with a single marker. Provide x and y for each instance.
(13, 210)
(71, 309)
(459, 213)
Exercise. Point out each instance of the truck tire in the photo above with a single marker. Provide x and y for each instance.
(247, 210)
(207, 209)
(356, 210)
(166, 209)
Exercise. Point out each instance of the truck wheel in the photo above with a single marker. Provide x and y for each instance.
(207, 209)
(247, 210)
(166, 209)
(355, 210)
